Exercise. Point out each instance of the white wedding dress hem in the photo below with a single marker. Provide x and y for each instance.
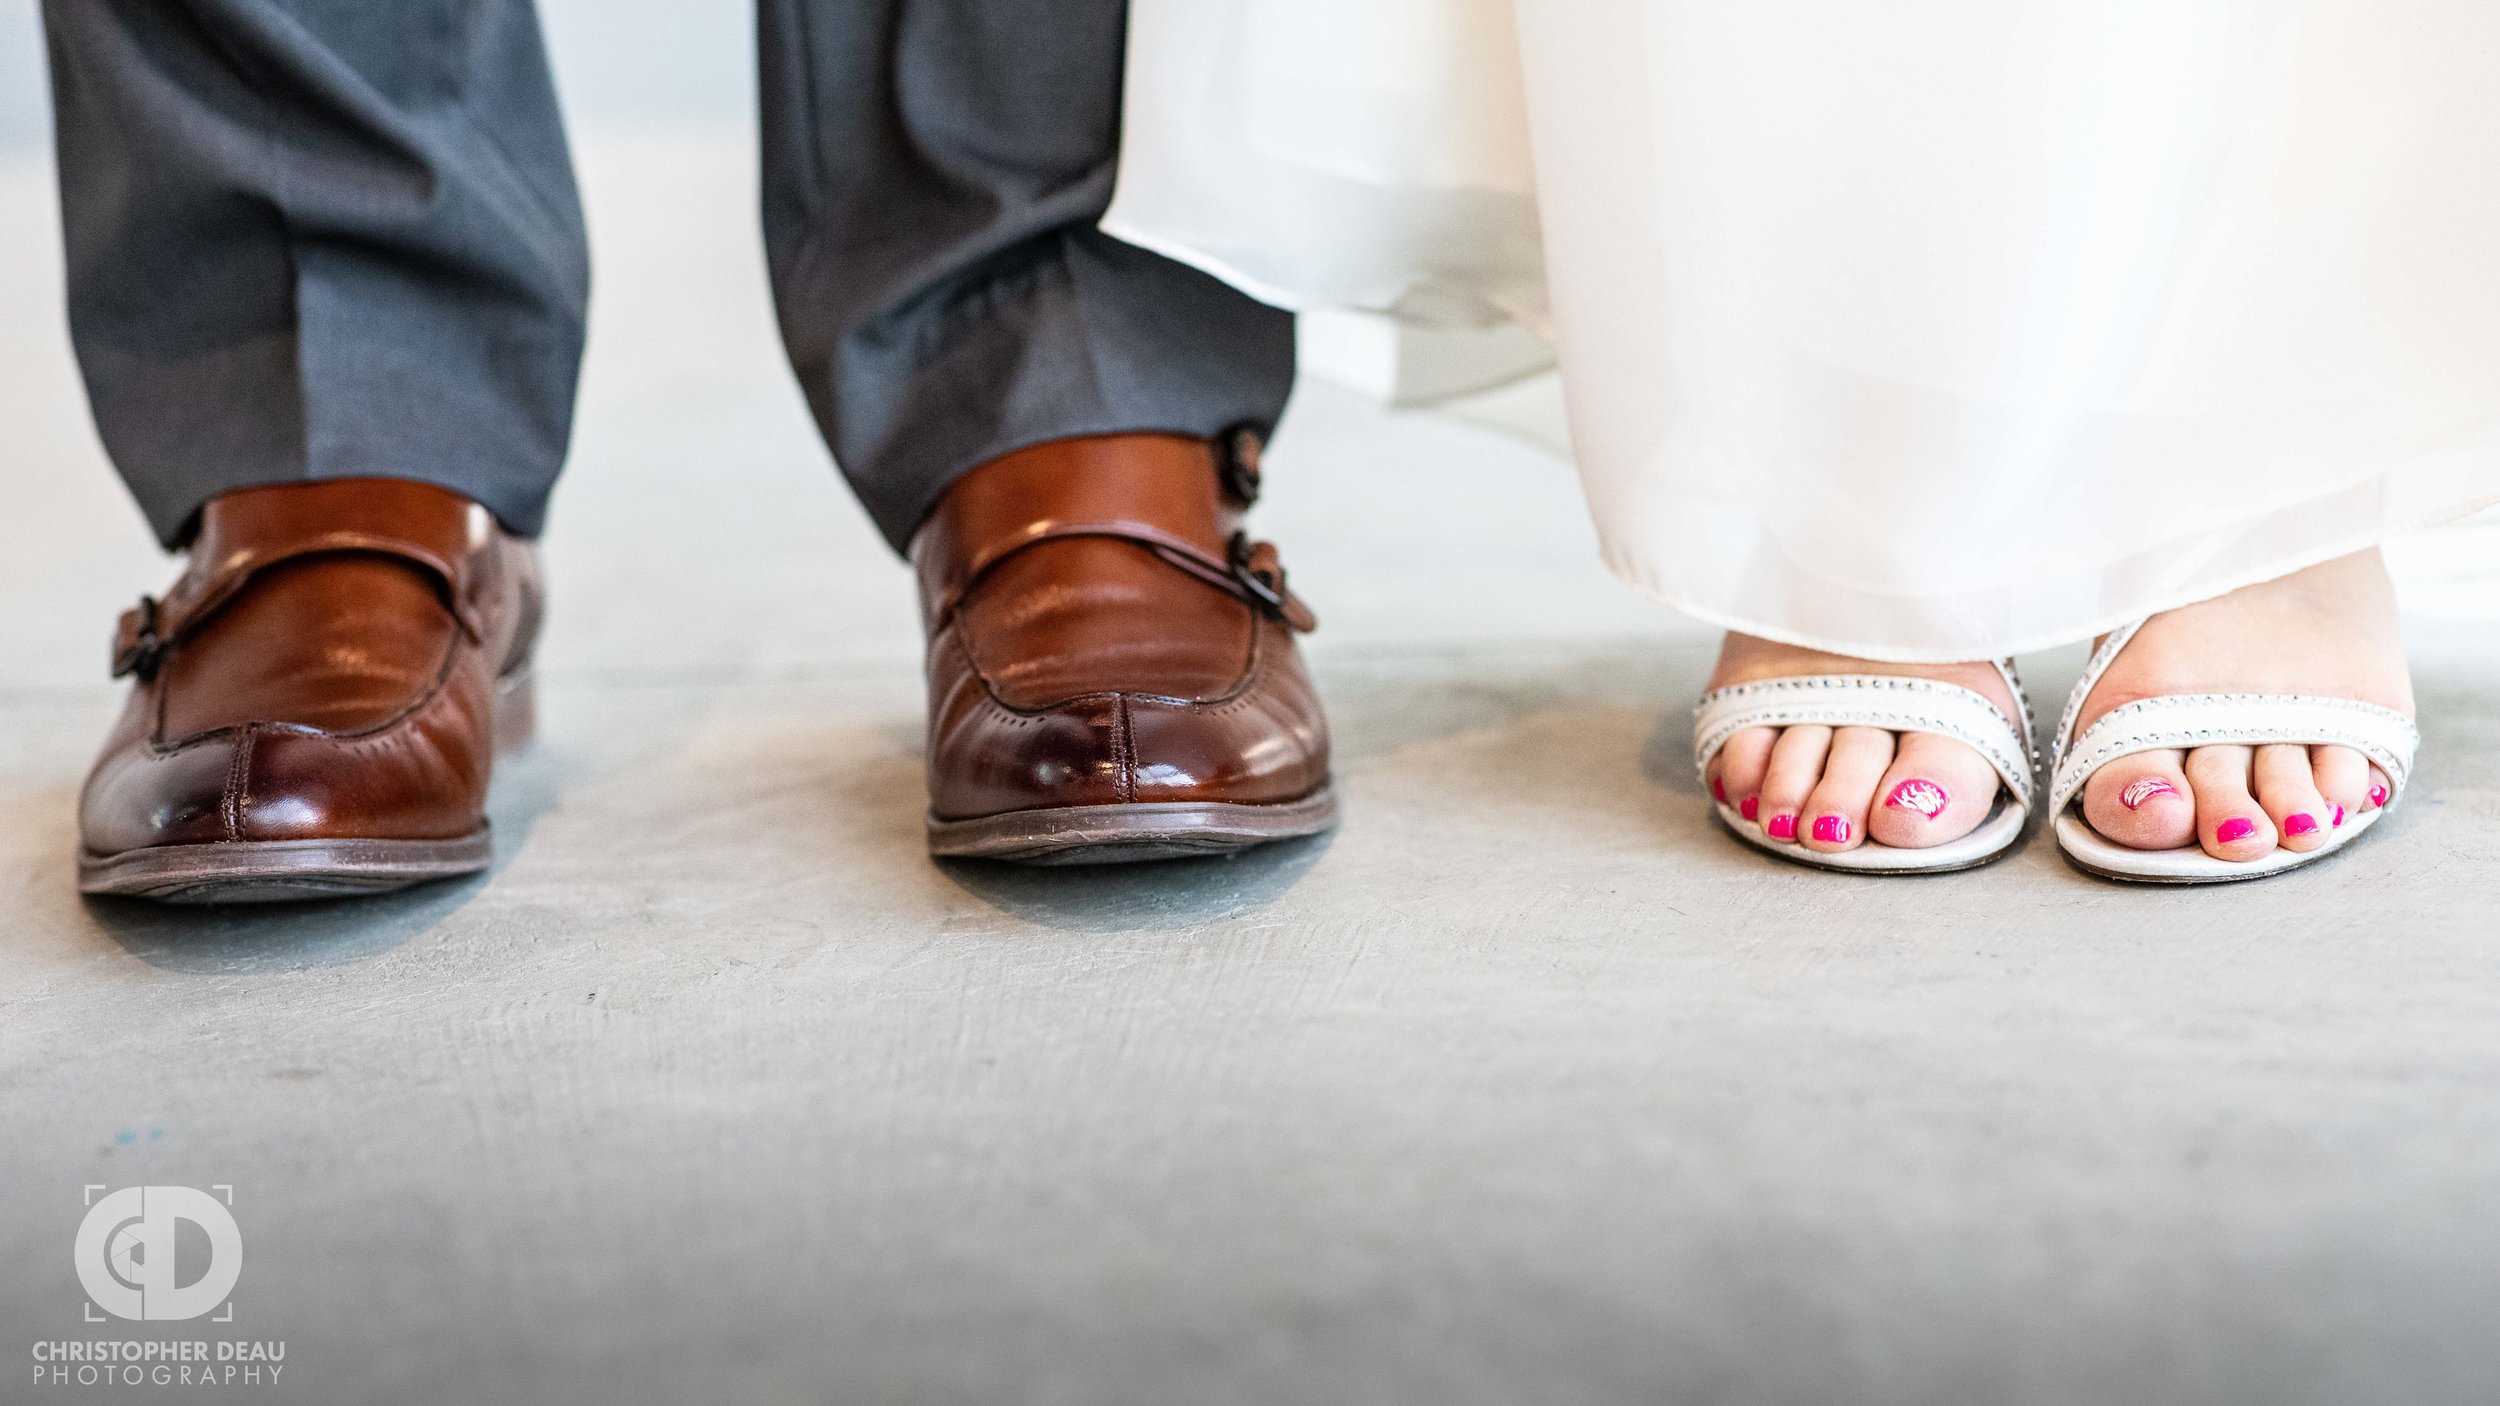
(1635, 571)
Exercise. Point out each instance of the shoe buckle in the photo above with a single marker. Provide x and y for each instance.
(1263, 581)
(137, 647)
(1237, 463)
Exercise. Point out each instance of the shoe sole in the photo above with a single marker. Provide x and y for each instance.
(296, 871)
(1130, 834)
(281, 871)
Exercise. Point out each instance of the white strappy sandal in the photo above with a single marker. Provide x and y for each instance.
(2186, 720)
(1896, 705)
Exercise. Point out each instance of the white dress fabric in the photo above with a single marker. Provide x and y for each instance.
(1326, 154)
(1932, 330)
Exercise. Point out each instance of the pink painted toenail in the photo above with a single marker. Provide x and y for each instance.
(2299, 824)
(2339, 817)
(2234, 830)
(1782, 827)
(1750, 807)
(1925, 797)
(1718, 790)
(2143, 789)
(2378, 795)
(1831, 830)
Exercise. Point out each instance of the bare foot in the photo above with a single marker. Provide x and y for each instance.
(2330, 631)
(1833, 789)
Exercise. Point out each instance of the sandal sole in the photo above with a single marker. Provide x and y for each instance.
(2184, 867)
(2000, 838)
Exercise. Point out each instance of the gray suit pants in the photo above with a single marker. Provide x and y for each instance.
(322, 238)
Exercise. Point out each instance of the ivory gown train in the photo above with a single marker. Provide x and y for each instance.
(1933, 330)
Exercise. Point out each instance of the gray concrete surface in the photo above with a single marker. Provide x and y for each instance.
(1524, 1087)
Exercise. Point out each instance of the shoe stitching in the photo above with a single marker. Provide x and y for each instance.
(1123, 753)
(238, 782)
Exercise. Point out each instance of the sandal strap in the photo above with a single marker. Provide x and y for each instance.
(1877, 700)
(2183, 720)
(2112, 645)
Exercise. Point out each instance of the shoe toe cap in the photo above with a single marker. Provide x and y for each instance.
(259, 784)
(137, 799)
(1248, 751)
(1118, 749)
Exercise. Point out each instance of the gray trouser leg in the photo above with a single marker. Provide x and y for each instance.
(933, 173)
(318, 239)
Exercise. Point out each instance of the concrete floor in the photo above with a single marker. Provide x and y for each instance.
(1525, 1086)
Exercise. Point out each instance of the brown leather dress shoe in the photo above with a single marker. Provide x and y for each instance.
(319, 699)
(1112, 670)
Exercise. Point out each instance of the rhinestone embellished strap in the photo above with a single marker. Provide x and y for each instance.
(2107, 654)
(1874, 700)
(2181, 721)
(2187, 720)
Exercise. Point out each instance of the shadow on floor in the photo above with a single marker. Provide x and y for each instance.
(1164, 896)
(1667, 755)
(277, 937)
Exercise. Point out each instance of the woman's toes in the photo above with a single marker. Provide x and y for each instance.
(1796, 765)
(1736, 776)
(2229, 822)
(2302, 818)
(2380, 792)
(1937, 790)
(1834, 818)
(2342, 777)
(2142, 802)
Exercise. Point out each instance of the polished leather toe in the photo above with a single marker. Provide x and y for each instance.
(139, 796)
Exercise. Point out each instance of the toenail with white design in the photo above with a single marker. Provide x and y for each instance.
(1925, 797)
(2143, 789)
